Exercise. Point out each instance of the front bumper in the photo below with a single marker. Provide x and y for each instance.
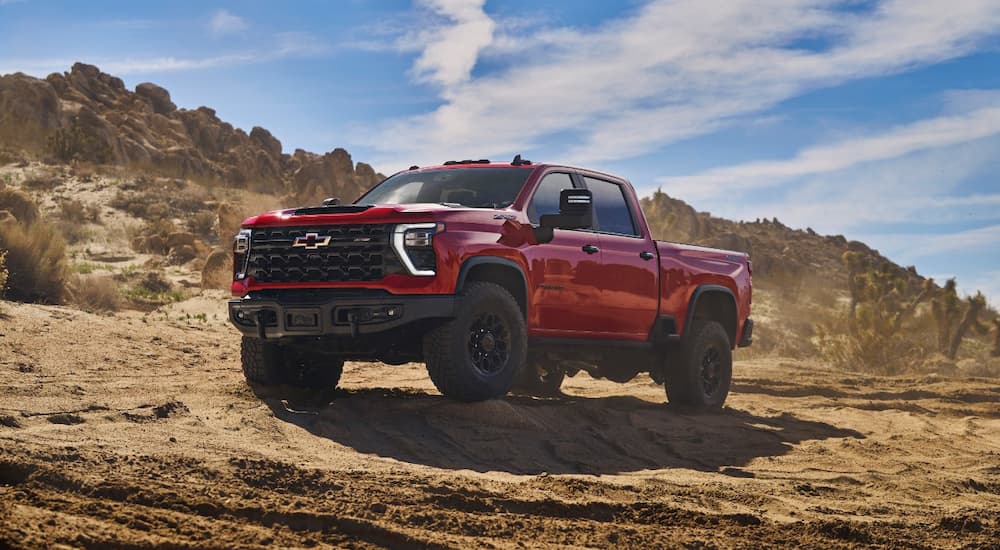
(307, 313)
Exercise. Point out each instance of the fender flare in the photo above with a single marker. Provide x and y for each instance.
(693, 304)
(476, 261)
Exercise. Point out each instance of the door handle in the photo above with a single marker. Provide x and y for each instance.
(647, 255)
(591, 249)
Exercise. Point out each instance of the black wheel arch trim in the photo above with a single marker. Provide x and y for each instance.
(693, 304)
(475, 261)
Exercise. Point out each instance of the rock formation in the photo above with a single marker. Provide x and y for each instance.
(88, 115)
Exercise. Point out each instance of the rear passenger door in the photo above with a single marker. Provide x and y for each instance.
(629, 293)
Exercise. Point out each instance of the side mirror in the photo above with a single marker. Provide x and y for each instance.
(575, 212)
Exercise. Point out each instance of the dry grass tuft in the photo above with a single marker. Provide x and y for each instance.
(42, 182)
(94, 292)
(19, 204)
(36, 262)
(202, 225)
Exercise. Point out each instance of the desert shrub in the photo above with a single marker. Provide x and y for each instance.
(995, 352)
(19, 204)
(3, 272)
(94, 292)
(83, 171)
(42, 182)
(873, 334)
(161, 198)
(202, 224)
(36, 262)
(150, 289)
(73, 232)
(72, 210)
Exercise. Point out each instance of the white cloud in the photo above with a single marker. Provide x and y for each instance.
(918, 136)
(671, 70)
(224, 23)
(283, 46)
(915, 246)
(449, 51)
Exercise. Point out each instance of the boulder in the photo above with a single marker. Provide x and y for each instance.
(218, 270)
(158, 97)
(180, 238)
(181, 254)
(154, 244)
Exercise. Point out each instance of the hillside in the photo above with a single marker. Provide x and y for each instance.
(86, 115)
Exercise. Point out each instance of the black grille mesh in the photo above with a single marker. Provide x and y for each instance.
(354, 253)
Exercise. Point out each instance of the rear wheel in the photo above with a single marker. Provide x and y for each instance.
(702, 372)
(475, 356)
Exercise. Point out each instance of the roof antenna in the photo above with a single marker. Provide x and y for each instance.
(518, 162)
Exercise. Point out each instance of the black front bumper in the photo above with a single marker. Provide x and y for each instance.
(290, 313)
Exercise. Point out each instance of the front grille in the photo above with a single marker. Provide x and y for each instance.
(352, 253)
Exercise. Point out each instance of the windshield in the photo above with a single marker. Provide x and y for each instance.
(473, 187)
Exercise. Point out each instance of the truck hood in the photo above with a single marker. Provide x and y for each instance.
(352, 213)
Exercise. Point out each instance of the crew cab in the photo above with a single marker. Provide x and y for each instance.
(497, 276)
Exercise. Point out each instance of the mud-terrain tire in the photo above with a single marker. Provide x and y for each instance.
(700, 375)
(476, 355)
(532, 382)
(263, 361)
(312, 370)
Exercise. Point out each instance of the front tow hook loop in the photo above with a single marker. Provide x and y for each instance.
(260, 325)
(352, 318)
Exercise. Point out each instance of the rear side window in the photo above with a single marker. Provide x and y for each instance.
(611, 207)
(546, 197)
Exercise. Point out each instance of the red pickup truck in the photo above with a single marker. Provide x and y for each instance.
(498, 277)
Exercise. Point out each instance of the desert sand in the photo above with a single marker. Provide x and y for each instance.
(137, 430)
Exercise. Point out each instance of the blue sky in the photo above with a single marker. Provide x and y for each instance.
(876, 119)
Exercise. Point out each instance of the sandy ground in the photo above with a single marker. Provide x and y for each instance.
(137, 431)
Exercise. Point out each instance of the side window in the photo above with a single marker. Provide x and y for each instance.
(611, 208)
(546, 197)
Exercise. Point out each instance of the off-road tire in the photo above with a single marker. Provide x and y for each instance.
(312, 370)
(531, 382)
(701, 373)
(458, 353)
(263, 361)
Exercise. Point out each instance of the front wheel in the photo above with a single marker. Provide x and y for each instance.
(312, 370)
(268, 364)
(476, 355)
(703, 370)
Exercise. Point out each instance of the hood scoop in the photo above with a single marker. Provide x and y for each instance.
(331, 209)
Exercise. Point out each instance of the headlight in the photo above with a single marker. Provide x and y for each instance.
(241, 247)
(414, 244)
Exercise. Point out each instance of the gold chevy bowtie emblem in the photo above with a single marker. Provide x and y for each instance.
(311, 241)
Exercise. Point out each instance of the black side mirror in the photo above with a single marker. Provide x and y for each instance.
(576, 211)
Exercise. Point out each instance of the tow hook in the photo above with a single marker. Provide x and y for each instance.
(260, 325)
(352, 318)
